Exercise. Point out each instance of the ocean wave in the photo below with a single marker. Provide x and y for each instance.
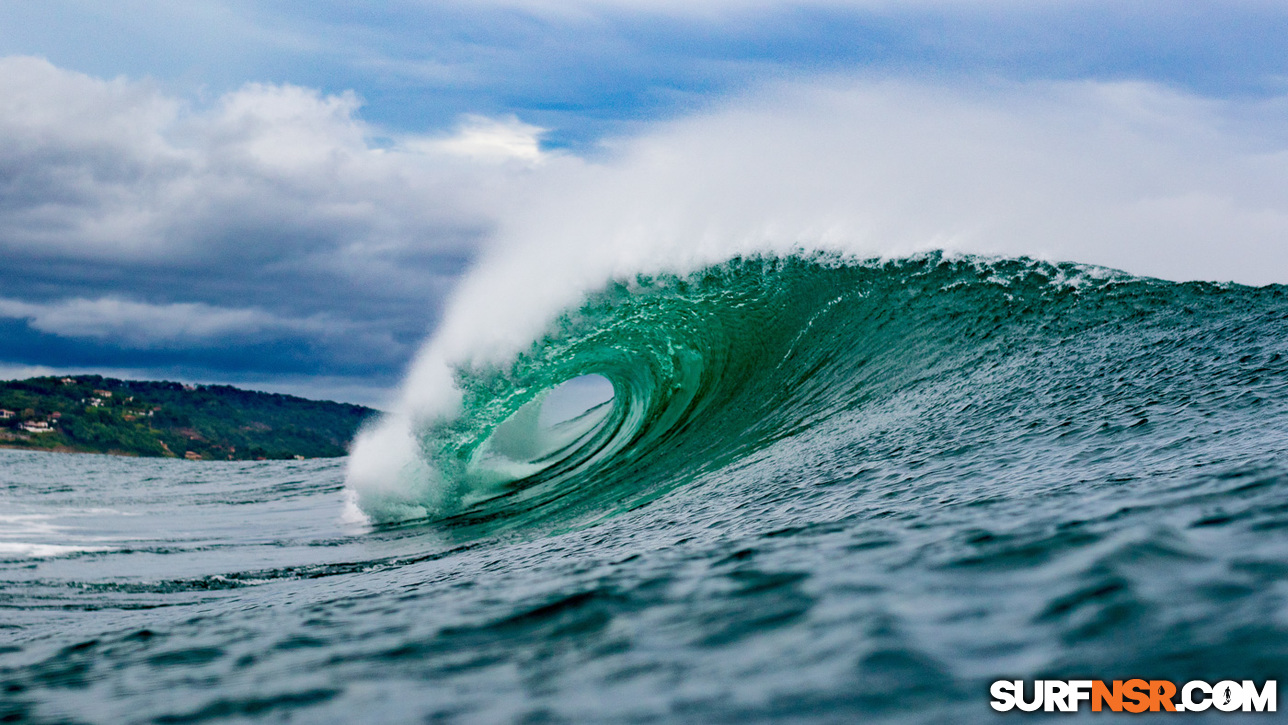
(708, 368)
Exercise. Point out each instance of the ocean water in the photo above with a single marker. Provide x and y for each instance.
(821, 492)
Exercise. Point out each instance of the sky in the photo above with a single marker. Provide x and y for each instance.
(290, 196)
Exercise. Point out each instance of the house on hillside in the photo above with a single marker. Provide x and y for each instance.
(36, 426)
(103, 393)
(6, 414)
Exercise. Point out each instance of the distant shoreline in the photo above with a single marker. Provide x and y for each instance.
(125, 454)
(63, 449)
(161, 419)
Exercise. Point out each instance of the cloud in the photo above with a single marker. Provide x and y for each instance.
(140, 220)
(589, 68)
(118, 170)
(272, 232)
(709, 8)
(140, 325)
(134, 323)
(490, 139)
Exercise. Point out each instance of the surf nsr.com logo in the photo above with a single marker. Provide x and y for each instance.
(1134, 696)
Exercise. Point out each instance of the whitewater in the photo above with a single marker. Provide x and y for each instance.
(773, 442)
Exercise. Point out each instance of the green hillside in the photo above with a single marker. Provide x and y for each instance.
(93, 414)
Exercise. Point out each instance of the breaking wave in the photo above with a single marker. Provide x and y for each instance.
(711, 369)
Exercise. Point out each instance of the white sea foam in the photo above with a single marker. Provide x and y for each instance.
(38, 550)
(28, 533)
(1126, 175)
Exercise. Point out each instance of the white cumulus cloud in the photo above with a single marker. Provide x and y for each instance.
(117, 168)
(489, 139)
(132, 216)
(137, 323)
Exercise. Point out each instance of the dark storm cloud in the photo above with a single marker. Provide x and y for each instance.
(267, 232)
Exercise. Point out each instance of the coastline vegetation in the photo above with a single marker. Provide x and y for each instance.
(94, 414)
